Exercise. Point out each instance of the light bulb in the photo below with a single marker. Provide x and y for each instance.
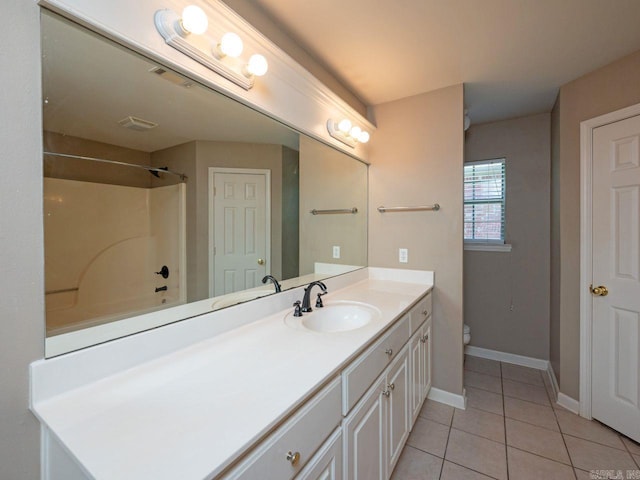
(257, 65)
(231, 45)
(344, 126)
(363, 137)
(355, 132)
(194, 20)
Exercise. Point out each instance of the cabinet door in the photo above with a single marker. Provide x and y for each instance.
(426, 361)
(365, 432)
(399, 407)
(416, 354)
(327, 463)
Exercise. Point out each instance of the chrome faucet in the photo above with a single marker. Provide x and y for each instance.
(306, 300)
(274, 281)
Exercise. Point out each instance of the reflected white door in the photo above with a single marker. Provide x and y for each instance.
(240, 230)
(616, 265)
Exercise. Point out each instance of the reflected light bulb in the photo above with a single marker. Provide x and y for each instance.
(363, 137)
(257, 65)
(355, 132)
(344, 126)
(194, 20)
(231, 45)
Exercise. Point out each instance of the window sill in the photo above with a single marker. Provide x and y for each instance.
(487, 247)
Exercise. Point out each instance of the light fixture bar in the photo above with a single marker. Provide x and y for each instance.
(335, 132)
(166, 21)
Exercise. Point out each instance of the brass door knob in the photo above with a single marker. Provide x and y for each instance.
(294, 458)
(260, 261)
(600, 291)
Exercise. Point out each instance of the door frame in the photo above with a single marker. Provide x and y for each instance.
(586, 245)
(211, 216)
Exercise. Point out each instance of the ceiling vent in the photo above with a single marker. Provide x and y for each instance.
(172, 77)
(137, 124)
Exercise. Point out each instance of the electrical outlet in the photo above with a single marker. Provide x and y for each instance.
(336, 251)
(403, 255)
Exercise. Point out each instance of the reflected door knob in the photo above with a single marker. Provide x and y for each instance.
(260, 261)
(600, 291)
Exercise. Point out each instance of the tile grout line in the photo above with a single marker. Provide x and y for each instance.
(564, 442)
(444, 454)
(504, 423)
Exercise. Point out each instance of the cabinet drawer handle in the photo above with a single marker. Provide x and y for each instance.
(294, 458)
(389, 351)
(386, 393)
(391, 386)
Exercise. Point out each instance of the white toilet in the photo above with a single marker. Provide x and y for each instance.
(466, 334)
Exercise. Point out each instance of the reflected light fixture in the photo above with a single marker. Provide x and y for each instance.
(230, 45)
(193, 20)
(346, 132)
(178, 32)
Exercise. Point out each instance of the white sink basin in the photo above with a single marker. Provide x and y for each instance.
(335, 317)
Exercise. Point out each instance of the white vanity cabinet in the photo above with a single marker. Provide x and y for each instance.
(377, 427)
(283, 454)
(327, 463)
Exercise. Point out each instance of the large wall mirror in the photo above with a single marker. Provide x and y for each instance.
(164, 199)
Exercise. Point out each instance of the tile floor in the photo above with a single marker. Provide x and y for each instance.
(511, 429)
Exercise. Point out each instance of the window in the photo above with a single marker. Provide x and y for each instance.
(484, 201)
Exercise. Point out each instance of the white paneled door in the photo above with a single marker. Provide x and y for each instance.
(615, 387)
(240, 231)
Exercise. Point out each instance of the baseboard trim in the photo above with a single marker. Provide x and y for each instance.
(521, 360)
(569, 403)
(554, 381)
(453, 399)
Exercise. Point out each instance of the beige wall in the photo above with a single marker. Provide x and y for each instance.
(21, 240)
(610, 88)
(331, 180)
(262, 21)
(506, 294)
(416, 159)
(89, 171)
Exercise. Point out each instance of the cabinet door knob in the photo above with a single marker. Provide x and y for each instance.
(293, 458)
(391, 386)
(424, 312)
(389, 351)
(386, 392)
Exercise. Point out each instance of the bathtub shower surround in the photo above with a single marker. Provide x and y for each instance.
(105, 249)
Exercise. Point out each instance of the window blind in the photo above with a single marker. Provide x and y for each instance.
(484, 201)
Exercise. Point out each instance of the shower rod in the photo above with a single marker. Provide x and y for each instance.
(153, 170)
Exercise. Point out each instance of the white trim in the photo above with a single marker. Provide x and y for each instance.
(586, 253)
(553, 380)
(569, 403)
(521, 360)
(267, 227)
(448, 398)
(487, 247)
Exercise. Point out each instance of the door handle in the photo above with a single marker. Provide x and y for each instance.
(260, 261)
(600, 291)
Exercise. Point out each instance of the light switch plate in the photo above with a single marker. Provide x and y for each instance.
(336, 251)
(403, 255)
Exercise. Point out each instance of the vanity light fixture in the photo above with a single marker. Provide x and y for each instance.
(187, 34)
(347, 133)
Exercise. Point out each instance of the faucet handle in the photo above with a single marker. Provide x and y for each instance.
(319, 303)
(297, 312)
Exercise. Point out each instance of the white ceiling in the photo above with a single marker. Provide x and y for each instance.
(512, 55)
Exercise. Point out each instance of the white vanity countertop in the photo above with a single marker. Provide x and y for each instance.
(189, 413)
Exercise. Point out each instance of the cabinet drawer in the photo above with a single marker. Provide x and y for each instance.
(420, 313)
(359, 376)
(303, 434)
